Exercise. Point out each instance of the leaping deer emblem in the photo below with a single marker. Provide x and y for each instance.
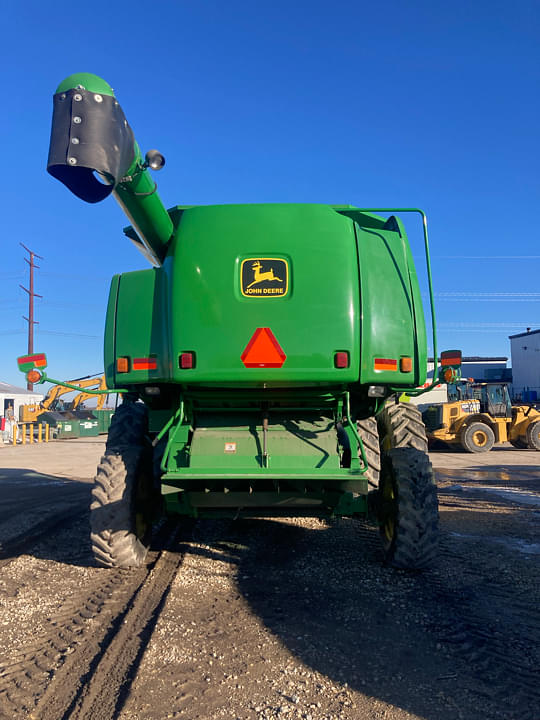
(260, 276)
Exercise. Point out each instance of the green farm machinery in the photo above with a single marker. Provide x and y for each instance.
(261, 358)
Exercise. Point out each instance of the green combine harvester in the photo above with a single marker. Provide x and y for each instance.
(260, 358)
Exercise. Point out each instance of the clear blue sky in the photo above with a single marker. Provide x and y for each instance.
(395, 103)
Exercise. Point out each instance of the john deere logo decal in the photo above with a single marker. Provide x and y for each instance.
(264, 277)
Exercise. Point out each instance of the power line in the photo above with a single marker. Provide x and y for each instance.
(486, 257)
(518, 323)
(506, 297)
(479, 330)
(467, 293)
(480, 299)
(67, 334)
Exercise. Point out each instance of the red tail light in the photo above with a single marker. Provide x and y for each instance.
(186, 361)
(341, 360)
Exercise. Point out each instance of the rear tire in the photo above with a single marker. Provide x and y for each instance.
(401, 426)
(533, 435)
(121, 508)
(408, 509)
(406, 501)
(367, 430)
(477, 438)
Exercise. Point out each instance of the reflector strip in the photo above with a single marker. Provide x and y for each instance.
(38, 360)
(450, 360)
(144, 363)
(263, 351)
(385, 364)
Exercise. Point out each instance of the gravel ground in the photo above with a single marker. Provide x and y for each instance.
(276, 618)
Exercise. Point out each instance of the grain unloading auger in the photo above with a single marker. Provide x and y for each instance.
(268, 345)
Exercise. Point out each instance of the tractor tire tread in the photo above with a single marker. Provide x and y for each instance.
(367, 430)
(403, 423)
(129, 425)
(114, 541)
(112, 509)
(415, 541)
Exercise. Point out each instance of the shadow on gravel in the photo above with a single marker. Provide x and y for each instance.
(327, 597)
(32, 479)
(405, 638)
(69, 543)
(45, 516)
(24, 491)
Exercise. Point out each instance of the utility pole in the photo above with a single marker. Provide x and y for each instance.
(31, 295)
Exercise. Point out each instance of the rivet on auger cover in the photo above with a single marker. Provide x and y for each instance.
(261, 356)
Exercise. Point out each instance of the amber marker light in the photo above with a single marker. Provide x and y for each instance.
(34, 376)
(405, 364)
(122, 364)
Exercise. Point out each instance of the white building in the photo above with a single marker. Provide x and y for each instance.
(525, 350)
(13, 397)
(480, 369)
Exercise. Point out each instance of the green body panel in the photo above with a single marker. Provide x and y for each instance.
(394, 326)
(213, 318)
(350, 289)
(109, 341)
(290, 443)
(139, 315)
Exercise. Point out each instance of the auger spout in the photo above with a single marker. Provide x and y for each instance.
(94, 153)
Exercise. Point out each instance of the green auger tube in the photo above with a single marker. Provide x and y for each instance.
(94, 153)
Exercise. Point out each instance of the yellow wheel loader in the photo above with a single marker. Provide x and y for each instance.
(478, 415)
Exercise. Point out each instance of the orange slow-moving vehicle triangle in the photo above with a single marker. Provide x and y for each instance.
(263, 350)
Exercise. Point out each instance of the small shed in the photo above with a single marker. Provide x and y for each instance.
(13, 397)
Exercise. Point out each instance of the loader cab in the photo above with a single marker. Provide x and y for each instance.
(494, 397)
